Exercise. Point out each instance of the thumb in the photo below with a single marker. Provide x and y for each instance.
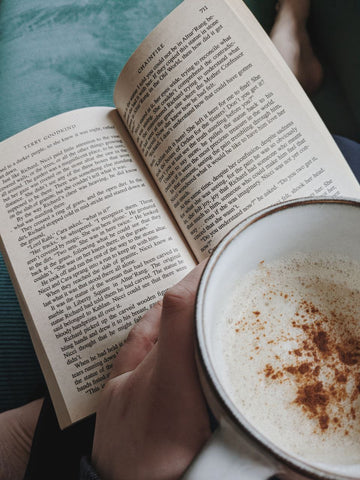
(139, 342)
(176, 336)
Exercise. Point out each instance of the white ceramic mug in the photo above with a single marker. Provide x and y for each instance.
(237, 450)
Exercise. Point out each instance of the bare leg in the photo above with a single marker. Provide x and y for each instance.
(17, 428)
(291, 38)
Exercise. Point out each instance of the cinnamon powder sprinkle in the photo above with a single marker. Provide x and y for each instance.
(321, 341)
(347, 356)
(304, 368)
(268, 370)
(324, 422)
(328, 383)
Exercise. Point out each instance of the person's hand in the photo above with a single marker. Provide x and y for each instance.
(152, 418)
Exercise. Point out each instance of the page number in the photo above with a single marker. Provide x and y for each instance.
(203, 9)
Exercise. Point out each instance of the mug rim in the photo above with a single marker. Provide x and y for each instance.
(203, 357)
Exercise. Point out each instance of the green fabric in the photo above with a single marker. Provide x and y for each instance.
(59, 55)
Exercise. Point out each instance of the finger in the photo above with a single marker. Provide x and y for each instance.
(139, 342)
(176, 347)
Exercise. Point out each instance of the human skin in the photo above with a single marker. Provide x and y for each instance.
(290, 36)
(152, 418)
(17, 428)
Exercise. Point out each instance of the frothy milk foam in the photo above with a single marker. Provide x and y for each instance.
(290, 343)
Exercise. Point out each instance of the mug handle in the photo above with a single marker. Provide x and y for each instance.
(227, 456)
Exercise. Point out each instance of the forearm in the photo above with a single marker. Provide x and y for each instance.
(17, 428)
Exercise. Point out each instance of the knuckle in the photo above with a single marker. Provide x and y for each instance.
(134, 333)
(140, 337)
(157, 306)
(107, 395)
(150, 316)
(178, 296)
(112, 388)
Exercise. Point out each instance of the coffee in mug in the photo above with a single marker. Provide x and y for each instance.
(277, 345)
(291, 354)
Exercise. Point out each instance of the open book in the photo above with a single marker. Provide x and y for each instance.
(102, 209)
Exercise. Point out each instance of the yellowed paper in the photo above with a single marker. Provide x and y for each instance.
(222, 123)
(90, 244)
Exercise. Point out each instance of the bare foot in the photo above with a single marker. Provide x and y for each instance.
(290, 36)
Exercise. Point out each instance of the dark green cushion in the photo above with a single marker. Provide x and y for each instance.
(60, 55)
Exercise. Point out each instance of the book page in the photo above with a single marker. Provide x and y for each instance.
(222, 123)
(89, 243)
